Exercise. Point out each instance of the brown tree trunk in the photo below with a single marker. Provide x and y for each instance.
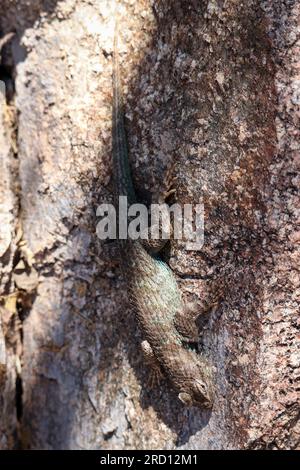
(214, 86)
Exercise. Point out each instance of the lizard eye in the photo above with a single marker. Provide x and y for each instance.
(200, 388)
(202, 393)
(186, 398)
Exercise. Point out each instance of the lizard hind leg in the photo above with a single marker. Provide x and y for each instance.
(156, 374)
(169, 186)
(155, 237)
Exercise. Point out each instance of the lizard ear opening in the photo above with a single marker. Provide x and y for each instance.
(185, 398)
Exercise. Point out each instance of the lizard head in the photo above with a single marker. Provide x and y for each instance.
(199, 389)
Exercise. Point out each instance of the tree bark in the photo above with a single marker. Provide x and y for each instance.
(212, 86)
(9, 335)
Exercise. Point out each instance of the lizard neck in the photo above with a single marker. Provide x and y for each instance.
(123, 179)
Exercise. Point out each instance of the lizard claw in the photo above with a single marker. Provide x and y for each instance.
(155, 377)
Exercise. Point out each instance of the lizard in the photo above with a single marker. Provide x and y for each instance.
(153, 291)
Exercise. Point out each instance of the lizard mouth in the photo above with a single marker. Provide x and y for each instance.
(206, 403)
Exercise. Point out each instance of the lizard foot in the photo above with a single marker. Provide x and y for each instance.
(156, 374)
(170, 185)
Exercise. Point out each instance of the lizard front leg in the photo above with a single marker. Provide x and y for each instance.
(185, 319)
(156, 373)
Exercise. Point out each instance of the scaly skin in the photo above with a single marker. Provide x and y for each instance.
(153, 289)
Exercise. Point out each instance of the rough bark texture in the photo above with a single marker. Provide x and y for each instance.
(214, 86)
(8, 336)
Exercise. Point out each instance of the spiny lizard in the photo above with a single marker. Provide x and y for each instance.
(153, 290)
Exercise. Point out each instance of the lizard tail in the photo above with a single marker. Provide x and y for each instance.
(123, 178)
